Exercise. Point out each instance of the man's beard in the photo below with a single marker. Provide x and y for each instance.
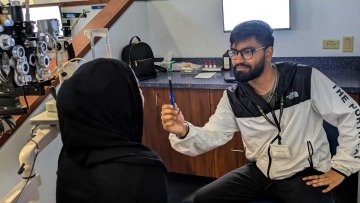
(243, 76)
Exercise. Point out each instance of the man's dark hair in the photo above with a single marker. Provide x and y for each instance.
(253, 28)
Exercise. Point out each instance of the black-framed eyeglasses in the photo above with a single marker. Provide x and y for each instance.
(246, 53)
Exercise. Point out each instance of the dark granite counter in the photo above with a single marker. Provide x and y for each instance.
(344, 71)
(348, 79)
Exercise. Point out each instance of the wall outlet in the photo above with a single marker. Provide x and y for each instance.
(331, 44)
(348, 43)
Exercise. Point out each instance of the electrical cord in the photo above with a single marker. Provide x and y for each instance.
(7, 120)
(26, 101)
(77, 20)
(2, 128)
(32, 131)
(10, 123)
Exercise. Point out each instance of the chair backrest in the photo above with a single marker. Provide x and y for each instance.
(332, 134)
(347, 191)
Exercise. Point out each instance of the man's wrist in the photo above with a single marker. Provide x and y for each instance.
(186, 131)
(339, 172)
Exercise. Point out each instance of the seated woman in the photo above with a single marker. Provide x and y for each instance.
(101, 121)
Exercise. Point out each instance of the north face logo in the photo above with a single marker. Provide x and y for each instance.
(292, 95)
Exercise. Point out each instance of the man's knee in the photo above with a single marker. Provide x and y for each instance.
(203, 196)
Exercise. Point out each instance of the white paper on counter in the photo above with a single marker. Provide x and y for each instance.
(205, 75)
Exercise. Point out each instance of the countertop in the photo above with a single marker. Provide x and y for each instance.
(348, 79)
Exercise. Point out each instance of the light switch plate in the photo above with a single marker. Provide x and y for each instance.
(348, 43)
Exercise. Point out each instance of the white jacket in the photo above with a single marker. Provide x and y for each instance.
(309, 97)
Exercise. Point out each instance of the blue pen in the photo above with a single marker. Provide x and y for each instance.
(172, 98)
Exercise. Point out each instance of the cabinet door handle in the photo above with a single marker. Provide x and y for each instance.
(238, 150)
(156, 100)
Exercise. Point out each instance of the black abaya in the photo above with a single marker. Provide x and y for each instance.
(102, 159)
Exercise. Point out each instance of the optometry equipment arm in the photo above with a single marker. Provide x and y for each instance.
(44, 132)
(27, 189)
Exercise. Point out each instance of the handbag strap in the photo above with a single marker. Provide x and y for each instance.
(138, 39)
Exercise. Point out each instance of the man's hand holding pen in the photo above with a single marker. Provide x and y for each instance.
(171, 117)
(173, 120)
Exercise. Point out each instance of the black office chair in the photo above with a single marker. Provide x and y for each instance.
(347, 191)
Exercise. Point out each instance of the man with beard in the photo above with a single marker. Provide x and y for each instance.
(279, 109)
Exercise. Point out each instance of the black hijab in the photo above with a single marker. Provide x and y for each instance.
(101, 116)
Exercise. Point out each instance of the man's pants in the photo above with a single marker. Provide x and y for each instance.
(248, 183)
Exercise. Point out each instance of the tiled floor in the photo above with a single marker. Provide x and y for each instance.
(181, 186)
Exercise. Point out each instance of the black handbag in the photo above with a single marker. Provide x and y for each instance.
(140, 58)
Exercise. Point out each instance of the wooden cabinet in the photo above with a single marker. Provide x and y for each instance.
(153, 134)
(197, 105)
(356, 97)
(231, 155)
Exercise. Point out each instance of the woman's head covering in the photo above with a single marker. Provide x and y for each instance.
(100, 113)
